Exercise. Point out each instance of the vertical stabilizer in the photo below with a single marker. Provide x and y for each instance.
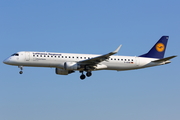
(158, 50)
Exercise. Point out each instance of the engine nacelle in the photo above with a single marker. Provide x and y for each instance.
(71, 66)
(62, 71)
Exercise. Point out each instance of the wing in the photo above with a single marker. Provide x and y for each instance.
(96, 60)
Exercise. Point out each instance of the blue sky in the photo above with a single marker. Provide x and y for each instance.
(94, 27)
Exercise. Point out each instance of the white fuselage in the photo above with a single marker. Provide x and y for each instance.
(67, 63)
(57, 60)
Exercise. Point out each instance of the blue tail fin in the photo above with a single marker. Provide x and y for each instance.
(158, 50)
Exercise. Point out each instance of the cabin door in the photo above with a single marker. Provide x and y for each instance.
(27, 56)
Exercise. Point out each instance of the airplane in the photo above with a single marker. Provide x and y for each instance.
(67, 63)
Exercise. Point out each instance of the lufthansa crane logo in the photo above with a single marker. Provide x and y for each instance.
(160, 47)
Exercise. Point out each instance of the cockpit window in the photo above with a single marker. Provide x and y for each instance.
(15, 54)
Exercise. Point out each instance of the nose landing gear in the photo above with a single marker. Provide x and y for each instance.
(21, 67)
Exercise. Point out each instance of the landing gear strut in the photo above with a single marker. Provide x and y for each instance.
(21, 67)
(82, 77)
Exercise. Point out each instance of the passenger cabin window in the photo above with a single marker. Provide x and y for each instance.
(15, 54)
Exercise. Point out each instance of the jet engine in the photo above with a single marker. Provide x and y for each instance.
(71, 66)
(63, 72)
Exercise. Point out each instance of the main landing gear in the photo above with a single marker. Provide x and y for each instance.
(21, 67)
(88, 74)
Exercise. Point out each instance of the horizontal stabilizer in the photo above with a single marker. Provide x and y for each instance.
(164, 59)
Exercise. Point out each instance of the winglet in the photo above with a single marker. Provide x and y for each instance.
(114, 52)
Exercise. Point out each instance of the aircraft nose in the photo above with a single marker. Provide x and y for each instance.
(6, 61)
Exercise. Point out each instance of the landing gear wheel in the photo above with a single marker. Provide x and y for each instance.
(21, 72)
(88, 74)
(82, 77)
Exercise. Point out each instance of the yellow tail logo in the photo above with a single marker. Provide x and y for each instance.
(160, 47)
